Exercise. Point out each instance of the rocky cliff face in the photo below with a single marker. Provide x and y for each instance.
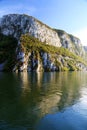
(85, 48)
(71, 42)
(44, 61)
(33, 55)
(16, 25)
(36, 34)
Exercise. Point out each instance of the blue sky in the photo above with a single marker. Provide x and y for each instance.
(68, 15)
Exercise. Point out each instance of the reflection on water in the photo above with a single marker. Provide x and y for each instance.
(46, 99)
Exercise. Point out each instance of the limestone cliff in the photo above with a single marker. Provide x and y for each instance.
(71, 42)
(33, 55)
(16, 25)
(39, 47)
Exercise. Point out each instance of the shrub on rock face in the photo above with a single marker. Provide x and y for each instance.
(65, 69)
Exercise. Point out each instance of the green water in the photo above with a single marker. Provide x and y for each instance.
(43, 101)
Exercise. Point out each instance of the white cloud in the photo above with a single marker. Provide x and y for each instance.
(82, 35)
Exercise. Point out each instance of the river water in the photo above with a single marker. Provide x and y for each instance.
(43, 101)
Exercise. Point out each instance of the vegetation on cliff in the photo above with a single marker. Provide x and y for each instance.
(8, 45)
(30, 44)
(61, 59)
(72, 43)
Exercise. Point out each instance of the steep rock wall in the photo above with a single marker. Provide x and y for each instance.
(44, 61)
(16, 25)
(72, 43)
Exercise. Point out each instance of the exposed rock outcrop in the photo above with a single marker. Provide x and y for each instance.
(37, 56)
(33, 52)
(16, 25)
(47, 62)
(71, 42)
(85, 48)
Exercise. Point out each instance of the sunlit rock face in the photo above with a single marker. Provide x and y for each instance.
(71, 42)
(44, 61)
(79, 49)
(35, 62)
(16, 25)
(21, 60)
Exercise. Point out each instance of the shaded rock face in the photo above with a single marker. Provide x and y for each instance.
(71, 42)
(2, 66)
(85, 48)
(16, 25)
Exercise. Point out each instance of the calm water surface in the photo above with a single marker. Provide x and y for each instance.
(43, 101)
